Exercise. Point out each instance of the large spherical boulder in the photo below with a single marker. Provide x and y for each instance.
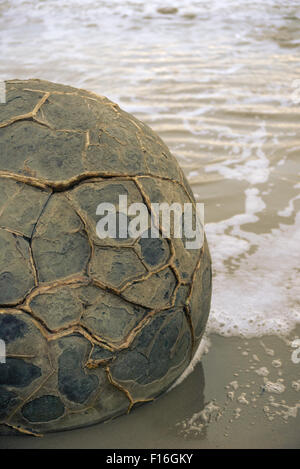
(91, 326)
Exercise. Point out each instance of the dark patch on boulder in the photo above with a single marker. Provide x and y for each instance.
(11, 328)
(153, 250)
(43, 409)
(100, 353)
(7, 400)
(159, 346)
(73, 382)
(131, 366)
(17, 372)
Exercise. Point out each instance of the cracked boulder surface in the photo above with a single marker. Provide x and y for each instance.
(92, 326)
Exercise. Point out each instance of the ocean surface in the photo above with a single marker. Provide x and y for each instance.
(219, 81)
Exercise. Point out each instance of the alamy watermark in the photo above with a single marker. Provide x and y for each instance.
(2, 92)
(185, 221)
(2, 351)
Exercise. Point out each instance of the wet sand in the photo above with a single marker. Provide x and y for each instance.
(224, 403)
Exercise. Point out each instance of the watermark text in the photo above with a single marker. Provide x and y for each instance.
(185, 221)
(2, 351)
(2, 92)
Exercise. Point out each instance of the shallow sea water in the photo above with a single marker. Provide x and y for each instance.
(219, 81)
